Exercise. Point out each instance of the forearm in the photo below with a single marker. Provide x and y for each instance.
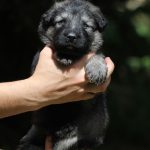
(13, 98)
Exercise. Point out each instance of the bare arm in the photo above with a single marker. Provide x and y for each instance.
(48, 85)
(13, 99)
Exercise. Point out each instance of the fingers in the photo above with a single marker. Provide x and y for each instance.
(72, 94)
(46, 52)
(48, 143)
(92, 88)
(88, 96)
(47, 64)
(81, 63)
(47, 55)
(110, 66)
(78, 69)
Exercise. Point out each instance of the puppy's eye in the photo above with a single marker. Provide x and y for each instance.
(59, 23)
(88, 27)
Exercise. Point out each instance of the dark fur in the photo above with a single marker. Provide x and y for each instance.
(72, 28)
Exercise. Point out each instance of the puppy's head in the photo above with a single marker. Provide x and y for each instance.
(72, 28)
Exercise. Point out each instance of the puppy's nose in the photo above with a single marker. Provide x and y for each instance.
(71, 37)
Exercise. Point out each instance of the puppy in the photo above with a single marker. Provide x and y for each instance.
(72, 28)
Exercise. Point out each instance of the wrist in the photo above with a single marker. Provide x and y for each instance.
(30, 93)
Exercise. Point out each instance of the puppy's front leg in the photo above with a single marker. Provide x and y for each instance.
(96, 69)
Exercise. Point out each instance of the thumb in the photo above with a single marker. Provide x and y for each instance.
(81, 63)
(110, 66)
(46, 52)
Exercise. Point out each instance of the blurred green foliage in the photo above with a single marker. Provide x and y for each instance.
(127, 42)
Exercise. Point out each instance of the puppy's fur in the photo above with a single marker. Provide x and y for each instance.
(72, 28)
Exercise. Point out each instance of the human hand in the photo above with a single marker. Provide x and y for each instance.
(53, 85)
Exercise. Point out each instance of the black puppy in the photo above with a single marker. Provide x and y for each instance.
(72, 28)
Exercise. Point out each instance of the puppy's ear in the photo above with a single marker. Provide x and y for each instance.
(47, 19)
(101, 21)
(45, 23)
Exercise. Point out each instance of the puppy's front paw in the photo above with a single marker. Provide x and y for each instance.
(96, 70)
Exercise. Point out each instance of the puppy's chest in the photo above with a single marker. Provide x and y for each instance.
(58, 116)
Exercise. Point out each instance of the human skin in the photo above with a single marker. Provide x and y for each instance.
(49, 85)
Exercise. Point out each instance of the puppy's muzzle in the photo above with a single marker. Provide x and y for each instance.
(71, 37)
